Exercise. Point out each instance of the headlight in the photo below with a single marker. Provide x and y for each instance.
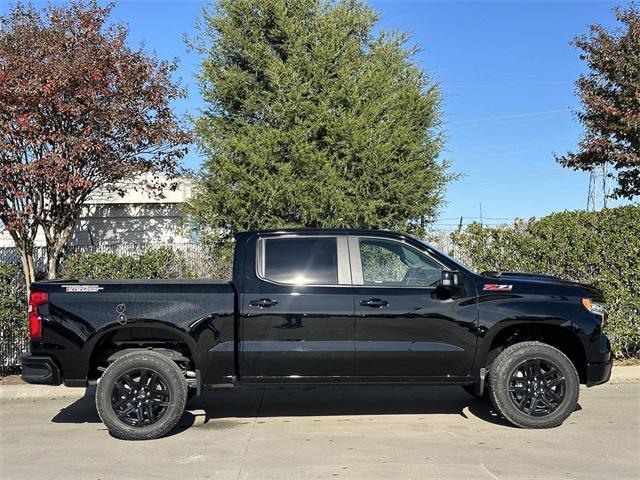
(596, 308)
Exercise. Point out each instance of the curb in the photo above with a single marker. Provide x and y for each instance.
(625, 374)
(32, 392)
(619, 375)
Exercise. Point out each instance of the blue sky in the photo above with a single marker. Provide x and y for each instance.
(507, 73)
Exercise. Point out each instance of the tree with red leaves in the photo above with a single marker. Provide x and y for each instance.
(610, 94)
(79, 110)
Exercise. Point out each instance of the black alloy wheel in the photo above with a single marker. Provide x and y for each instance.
(140, 397)
(537, 387)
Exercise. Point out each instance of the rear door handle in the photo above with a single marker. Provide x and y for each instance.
(263, 303)
(374, 303)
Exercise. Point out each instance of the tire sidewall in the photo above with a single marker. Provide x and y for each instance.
(175, 383)
(500, 385)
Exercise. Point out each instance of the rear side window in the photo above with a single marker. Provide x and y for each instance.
(301, 261)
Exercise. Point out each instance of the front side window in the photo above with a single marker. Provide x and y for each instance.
(301, 261)
(390, 263)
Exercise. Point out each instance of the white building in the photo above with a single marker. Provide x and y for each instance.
(136, 218)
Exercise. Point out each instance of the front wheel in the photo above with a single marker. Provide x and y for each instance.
(141, 396)
(534, 385)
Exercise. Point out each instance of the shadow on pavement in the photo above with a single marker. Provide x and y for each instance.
(312, 401)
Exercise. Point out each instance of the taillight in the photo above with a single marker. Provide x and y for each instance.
(36, 299)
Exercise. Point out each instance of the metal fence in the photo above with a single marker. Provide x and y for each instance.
(11, 255)
(444, 241)
(13, 307)
(12, 348)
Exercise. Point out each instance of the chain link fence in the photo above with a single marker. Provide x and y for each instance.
(13, 321)
(443, 240)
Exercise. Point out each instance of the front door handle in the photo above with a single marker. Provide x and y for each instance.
(374, 303)
(263, 303)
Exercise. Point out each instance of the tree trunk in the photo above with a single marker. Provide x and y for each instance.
(52, 264)
(55, 246)
(28, 269)
(24, 244)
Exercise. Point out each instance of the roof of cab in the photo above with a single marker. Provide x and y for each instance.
(332, 231)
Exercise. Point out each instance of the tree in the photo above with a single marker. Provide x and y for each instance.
(79, 110)
(610, 94)
(312, 120)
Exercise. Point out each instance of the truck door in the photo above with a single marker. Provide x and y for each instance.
(297, 312)
(402, 328)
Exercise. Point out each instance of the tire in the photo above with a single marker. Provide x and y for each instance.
(131, 382)
(534, 371)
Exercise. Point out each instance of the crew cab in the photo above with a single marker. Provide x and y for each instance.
(320, 306)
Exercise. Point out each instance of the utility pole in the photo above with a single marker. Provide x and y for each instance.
(599, 188)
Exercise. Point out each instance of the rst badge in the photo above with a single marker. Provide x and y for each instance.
(497, 286)
(82, 288)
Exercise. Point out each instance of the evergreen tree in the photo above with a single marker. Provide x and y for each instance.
(312, 120)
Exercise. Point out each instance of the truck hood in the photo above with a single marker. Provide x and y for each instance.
(533, 279)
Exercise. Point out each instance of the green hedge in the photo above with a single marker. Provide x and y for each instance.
(13, 301)
(160, 262)
(13, 316)
(599, 248)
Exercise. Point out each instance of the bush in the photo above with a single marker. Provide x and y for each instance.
(13, 318)
(598, 248)
(162, 262)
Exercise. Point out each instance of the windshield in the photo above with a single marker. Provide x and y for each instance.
(454, 260)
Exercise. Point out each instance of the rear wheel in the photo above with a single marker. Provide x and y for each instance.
(141, 396)
(534, 385)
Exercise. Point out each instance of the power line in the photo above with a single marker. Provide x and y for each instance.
(512, 180)
(502, 154)
(472, 217)
(506, 117)
(519, 144)
(506, 84)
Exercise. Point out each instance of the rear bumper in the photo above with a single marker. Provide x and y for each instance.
(598, 373)
(40, 370)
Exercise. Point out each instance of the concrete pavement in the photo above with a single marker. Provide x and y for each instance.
(327, 432)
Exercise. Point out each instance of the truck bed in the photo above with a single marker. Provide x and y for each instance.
(86, 316)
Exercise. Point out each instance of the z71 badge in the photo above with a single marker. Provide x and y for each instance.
(496, 286)
(82, 288)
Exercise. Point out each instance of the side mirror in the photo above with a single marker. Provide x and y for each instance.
(448, 287)
(449, 279)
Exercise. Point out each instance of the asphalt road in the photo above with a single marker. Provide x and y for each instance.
(328, 432)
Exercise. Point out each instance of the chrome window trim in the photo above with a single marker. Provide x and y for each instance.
(342, 259)
(357, 274)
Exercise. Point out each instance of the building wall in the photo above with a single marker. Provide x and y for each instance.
(133, 223)
(136, 217)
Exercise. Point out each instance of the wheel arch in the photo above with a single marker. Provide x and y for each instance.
(167, 339)
(563, 335)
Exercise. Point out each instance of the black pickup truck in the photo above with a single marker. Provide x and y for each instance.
(320, 306)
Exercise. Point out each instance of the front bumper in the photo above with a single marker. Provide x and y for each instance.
(598, 373)
(40, 370)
